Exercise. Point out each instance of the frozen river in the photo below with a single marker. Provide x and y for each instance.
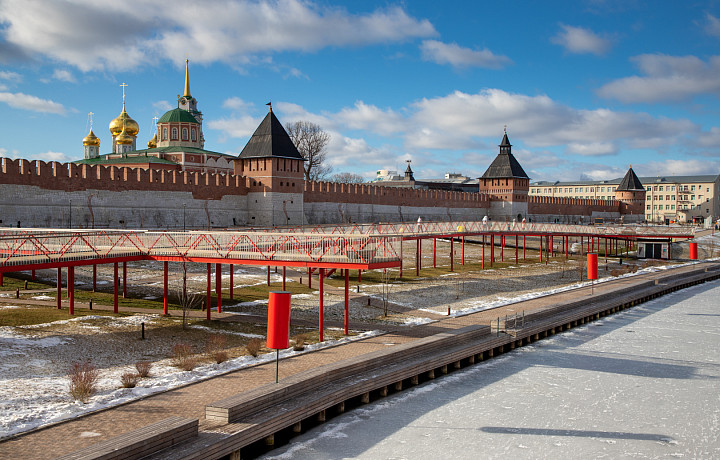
(643, 383)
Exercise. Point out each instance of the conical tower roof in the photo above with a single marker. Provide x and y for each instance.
(505, 165)
(270, 140)
(630, 182)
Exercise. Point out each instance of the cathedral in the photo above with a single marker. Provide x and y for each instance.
(178, 142)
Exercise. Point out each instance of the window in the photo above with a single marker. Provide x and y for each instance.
(655, 207)
(164, 134)
(692, 187)
(659, 197)
(667, 197)
(184, 134)
(648, 207)
(673, 188)
(174, 134)
(667, 206)
(672, 206)
(194, 134)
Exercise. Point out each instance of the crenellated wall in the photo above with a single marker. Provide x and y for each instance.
(571, 210)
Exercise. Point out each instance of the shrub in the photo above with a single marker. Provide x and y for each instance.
(182, 357)
(83, 381)
(253, 346)
(215, 348)
(129, 379)
(299, 344)
(143, 368)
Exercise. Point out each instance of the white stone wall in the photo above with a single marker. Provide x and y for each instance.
(36, 207)
(503, 210)
(268, 209)
(330, 213)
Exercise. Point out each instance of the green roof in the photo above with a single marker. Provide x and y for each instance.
(102, 160)
(177, 115)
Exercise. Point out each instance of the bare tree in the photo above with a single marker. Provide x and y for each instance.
(187, 300)
(311, 140)
(387, 279)
(347, 178)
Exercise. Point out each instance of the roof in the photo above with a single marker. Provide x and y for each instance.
(177, 115)
(270, 140)
(505, 164)
(140, 156)
(630, 182)
(102, 160)
(647, 180)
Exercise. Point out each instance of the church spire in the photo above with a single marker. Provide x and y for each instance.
(187, 80)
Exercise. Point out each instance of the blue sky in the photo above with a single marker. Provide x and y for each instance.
(585, 88)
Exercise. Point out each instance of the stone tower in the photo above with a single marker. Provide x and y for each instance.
(506, 185)
(274, 174)
(631, 194)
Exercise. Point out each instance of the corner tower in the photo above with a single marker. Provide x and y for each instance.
(274, 174)
(506, 185)
(631, 194)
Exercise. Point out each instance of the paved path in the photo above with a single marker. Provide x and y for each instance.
(190, 401)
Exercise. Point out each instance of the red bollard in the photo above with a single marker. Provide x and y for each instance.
(592, 266)
(693, 251)
(278, 326)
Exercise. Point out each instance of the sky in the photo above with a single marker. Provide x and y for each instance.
(584, 88)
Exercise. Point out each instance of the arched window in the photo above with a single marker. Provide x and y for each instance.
(184, 134)
(164, 134)
(174, 134)
(194, 134)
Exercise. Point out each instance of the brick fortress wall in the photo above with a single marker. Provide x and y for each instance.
(572, 210)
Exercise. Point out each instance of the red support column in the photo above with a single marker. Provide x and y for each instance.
(492, 250)
(523, 247)
(94, 277)
(58, 293)
(309, 273)
(552, 246)
(451, 253)
(359, 276)
(321, 306)
(232, 269)
(207, 292)
(71, 288)
(218, 286)
(605, 247)
(401, 257)
(483, 253)
(417, 257)
(115, 282)
(670, 246)
(434, 252)
(1, 279)
(626, 248)
(268, 275)
(463, 251)
(33, 277)
(346, 322)
(124, 280)
(541, 248)
(516, 249)
(284, 267)
(165, 288)
(502, 248)
(67, 284)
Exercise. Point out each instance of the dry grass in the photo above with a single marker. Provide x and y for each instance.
(143, 368)
(299, 342)
(129, 379)
(182, 356)
(83, 381)
(254, 346)
(215, 348)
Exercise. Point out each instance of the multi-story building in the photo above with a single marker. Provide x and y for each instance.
(668, 199)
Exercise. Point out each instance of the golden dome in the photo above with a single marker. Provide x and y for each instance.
(152, 143)
(131, 126)
(91, 139)
(124, 138)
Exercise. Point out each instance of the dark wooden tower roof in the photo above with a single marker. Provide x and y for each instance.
(630, 182)
(505, 165)
(270, 140)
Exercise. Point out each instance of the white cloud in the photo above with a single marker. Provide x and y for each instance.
(592, 148)
(235, 103)
(242, 127)
(33, 103)
(369, 117)
(162, 106)
(81, 32)
(712, 25)
(677, 167)
(63, 75)
(667, 78)
(579, 40)
(457, 56)
(52, 156)
(10, 76)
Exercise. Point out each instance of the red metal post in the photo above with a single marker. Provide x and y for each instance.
(463, 251)
(401, 257)
(359, 276)
(268, 275)
(417, 257)
(310, 278)
(321, 305)
(605, 247)
(516, 249)
(451, 253)
(232, 269)
(94, 277)
(67, 284)
(541, 248)
(492, 250)
(124, 280)
(33, 277)
(1, 279)
(71, 288)
(58, 293)
(434, 252)
(218, 286)
(483, 253)
(115, 282)
(207, 292)
(523, 247)
(165, 288)
(626, 248)
(670, 246)
(284, 267)
(502, 248)
(346, 322)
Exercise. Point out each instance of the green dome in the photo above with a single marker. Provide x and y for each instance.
(177, 116)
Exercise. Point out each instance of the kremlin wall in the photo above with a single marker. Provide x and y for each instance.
(176, 184)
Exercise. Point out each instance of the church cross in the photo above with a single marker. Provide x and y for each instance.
(124, 85)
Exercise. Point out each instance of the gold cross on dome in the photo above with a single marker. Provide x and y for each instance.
(124, 85)
(91, 119)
